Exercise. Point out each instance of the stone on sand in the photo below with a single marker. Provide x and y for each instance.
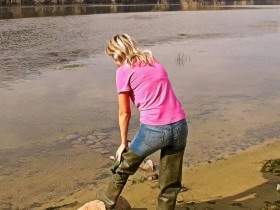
(102, 151)
(93, 205)
(97, 145)
(112, 157)
(122, 204)
(180, 198)
(89, 142)
(147, 165)
(91, 137)
(73, 136)
(82, 139)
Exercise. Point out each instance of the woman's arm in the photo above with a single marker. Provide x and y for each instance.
(124, 115)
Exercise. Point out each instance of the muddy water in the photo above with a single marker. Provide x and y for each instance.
(55, 80)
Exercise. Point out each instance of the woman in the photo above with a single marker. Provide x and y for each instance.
(143, 80)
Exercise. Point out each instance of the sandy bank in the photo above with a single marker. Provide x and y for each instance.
(233, 183)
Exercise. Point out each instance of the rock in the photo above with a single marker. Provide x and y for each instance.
(271, 166)
(180, 198)
(81, 139)
(75, 142)
(184, 189)
(271, 205)
(73, 136)
(122, 204)
(278, 188)
(147, 165)
(78, 146)
(100, 135)
(92, 146)
(102, 151)
(93, 205)
(97, 145)
(112, 157)
(91, 138)
(89, 142)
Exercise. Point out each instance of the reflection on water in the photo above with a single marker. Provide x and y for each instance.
(22, 11)
(40, 11)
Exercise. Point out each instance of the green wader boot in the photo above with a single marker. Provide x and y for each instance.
(170, 177)
(121, 171)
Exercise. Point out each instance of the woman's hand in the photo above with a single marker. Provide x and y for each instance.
(119, 152)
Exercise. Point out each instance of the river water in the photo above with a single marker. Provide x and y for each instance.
(55, 80)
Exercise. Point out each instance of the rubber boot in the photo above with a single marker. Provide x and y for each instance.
(121, 171)
(170, 177)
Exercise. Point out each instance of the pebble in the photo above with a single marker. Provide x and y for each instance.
(99, 135)
(91, 138)
(147, 165)
(97, 145)
(92, 146)
(79, 146)
(102, 151)
(75, 142)
(112, 157)
(184, 189)
(96, 204)
(180, 198)
(81, 139)
(73, 136)
(278, 187)
(89, 142)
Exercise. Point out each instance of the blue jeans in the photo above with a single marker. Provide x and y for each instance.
(150, 138)
(171, 140)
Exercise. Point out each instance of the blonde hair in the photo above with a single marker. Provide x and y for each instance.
(123, 48)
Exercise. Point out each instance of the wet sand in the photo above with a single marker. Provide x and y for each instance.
(223, 73)
(235, 182)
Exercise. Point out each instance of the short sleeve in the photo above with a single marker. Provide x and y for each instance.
(122, 80)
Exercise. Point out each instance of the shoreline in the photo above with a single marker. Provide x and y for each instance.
(232, 183)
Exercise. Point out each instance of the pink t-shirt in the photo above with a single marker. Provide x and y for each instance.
(151, 92)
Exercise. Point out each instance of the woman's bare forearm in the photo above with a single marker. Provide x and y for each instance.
(124, 118)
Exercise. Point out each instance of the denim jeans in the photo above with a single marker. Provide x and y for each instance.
(171, 140)
(150, 138)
